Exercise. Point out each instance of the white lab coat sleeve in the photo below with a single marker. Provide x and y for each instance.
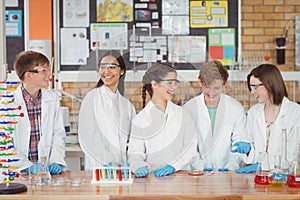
(58, 138)
(189, 148)
(251, 118)
(239, 133)
(136, 151)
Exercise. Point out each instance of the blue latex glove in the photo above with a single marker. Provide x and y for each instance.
(34, 168)
(25, 170)
(241, 147)
(208, 169)
(163, 171)
(223, 169)
(141, 172)
(55, 168)
(248, 169)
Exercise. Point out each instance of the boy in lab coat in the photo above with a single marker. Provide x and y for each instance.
(221, 121)
(40, 133)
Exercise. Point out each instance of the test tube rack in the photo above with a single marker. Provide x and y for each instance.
(112, 175)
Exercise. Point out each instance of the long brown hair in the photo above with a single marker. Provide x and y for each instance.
(271, 78)
(155, 73)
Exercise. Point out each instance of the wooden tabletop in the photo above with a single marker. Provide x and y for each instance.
(219, 185)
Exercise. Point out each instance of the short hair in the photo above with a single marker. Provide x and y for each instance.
(156, 72)
(271, 78)
(211, 71)
(120, 60)
(28, 60)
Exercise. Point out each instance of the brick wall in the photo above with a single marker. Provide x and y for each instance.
(265, 20)
(262, 22)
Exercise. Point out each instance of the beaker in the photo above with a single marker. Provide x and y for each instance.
(263, 169)
(43, 171)
(293, 179)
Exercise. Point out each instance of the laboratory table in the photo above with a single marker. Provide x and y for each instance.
(218, 185)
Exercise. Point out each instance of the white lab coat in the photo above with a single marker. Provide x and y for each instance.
(159, 138)
(230, 124)
(288, 118)
(52, 140)
(104, 126)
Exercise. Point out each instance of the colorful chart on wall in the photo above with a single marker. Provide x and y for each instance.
(221, 45)
(114, 10)
(204, 14)
(106, 36)
(13, 23)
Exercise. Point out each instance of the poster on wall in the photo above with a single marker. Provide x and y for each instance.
(146, 14)
(221, 45)
(76, 13)
(175, 17)
(187, 49)
(114, 10)
(74, 46)
(13, 23)
(11, 3)
(106, 36)
(148, 48)
(204, 14)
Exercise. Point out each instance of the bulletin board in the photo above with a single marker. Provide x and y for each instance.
(146, 31)
(14, 31)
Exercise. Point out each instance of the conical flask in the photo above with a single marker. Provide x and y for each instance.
(43, 171)
(263, 169)
(277, 177)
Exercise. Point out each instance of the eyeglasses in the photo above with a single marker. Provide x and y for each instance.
(171, 82)
(109, 66)
(39, 70)
(254, 87)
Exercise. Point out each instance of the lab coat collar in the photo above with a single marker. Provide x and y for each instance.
(108, 92)
(171, 107)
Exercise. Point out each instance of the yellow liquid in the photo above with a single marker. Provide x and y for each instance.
(277, 183)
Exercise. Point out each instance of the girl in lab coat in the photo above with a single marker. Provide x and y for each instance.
(105, 116)
(221, 121)
(40, 133)
(162, 136)
(272, 113)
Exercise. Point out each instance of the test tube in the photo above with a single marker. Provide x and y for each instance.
(114, 171)
(120, 172)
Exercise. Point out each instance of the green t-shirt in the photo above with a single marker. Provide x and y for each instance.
(212, 115)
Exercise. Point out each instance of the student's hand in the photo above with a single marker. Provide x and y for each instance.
(26, 170)
(241, 147)
(223, 169)
(248, 169)
(55, 168)
(208, 169)
(141, 172)
(166, 170)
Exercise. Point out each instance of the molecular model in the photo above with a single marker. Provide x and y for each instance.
(8, 160)
(113, 173)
